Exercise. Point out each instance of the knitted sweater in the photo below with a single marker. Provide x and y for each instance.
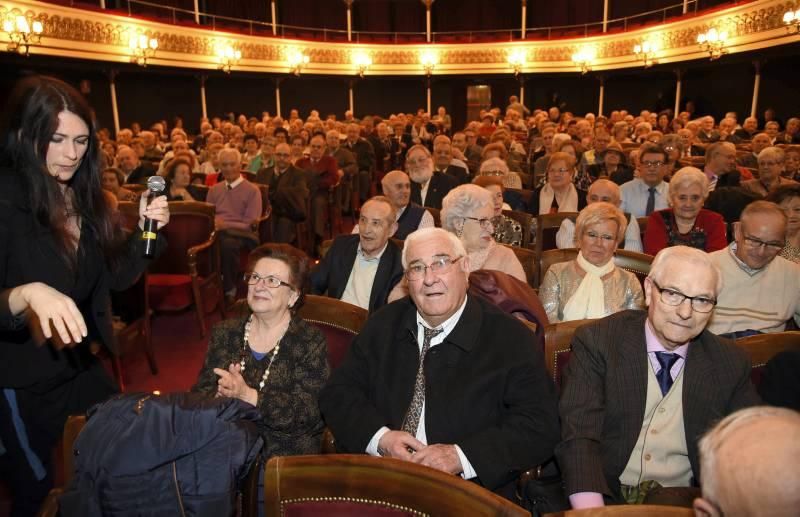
(763, 301)
(237, 208)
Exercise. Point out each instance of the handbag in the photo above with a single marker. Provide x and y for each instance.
(541, 490)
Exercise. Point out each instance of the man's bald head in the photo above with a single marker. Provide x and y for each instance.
(606, 191)
(749, 464)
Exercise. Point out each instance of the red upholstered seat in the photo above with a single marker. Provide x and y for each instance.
(339, 321)
(557, 351)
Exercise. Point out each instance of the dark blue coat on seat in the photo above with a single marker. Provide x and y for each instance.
(178, 454)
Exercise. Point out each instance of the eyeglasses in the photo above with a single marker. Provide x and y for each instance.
(558, 171)
(486, 224)
(652, 164)
(675, 298)
(416, 271)
(752, 242)
(271, 281)
(603, 236)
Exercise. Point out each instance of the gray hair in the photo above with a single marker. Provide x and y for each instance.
(687, 177)
(776, 153)
(494, 165)
(686, 254)
(672, 140)
(461, 202)
(230, 151)
(455, 242)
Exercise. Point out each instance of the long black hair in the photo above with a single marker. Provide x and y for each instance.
(29, 122)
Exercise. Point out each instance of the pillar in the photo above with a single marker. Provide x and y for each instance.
(605, 15)
(203, 104)
(524, 23)
(428, 4)
(274, 21)
(278, 96)
(112, 76)
(602, 97)
(677, 93)
(197, 12)
(756, 87)
(349, 4)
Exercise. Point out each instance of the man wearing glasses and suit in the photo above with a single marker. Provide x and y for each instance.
(641, 388)
(444, 379)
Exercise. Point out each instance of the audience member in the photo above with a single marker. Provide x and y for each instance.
(760, 142)
(134, 170)
(788, 198)
(178, 176)
(365, 159)
(657, 362)
(288, 193)
(321, 174)
(558, 193)
(506, 229)
(396, 187)
(498, 168)
(112, 181)
(442, 158)
(648, 192)
(428, 187)
(770, 172)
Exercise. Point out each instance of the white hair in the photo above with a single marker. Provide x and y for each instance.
(230, 151)
(423, 233)
(687, 177)
(685, 254)
(462, 202)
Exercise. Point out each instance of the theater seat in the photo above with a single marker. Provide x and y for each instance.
(763, 347)
(557, 349)
(629, 510)
(343, 485)
(339, 321)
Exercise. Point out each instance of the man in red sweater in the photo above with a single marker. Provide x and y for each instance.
(322, 173)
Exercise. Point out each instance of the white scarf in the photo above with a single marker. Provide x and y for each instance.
(567, 203)
(588, 301)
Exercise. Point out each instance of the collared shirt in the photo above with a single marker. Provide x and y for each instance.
(235, 183)
(447, 326)
(425, 222)
(362, 276)
(423, 191)
(635, 194)
(732, 247)
(654, 345)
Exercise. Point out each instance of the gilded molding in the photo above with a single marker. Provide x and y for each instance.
(104, 36)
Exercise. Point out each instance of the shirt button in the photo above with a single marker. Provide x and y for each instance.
(647, 457)
(661, 410)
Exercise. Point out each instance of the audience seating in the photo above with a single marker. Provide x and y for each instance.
(526, 221)
(437, 220)
(557, 347)
(137, 188)
(547, 226)
(630, 510)
(367, 486)
(527, 258)
(339, 321)
(188, 272)
(762, 347)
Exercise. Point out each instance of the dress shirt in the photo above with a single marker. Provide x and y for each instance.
(362, 276)
(423, 191)
(635, 194)
(235, 183)
(425, 222)
(447, 326)
(593, 499)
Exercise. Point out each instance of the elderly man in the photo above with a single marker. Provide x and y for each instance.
(760, 142)
(720, 167)
(648, 192)
(428, 188)
(410, 216)
(605, 191)
(748, 129)
(134, 170)
(443, 158)
(791, 135)
(444, 379)
(749, 465)
(322, 173)
(347, 167)
(362, 269)
(287, 194)
(365, 158)
(238, 205)
(762, 290)
(707, 134)
(771, 163)
(641, 388)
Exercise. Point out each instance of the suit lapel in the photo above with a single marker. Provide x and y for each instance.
(381, 276)
(345, 267)
(632, 381)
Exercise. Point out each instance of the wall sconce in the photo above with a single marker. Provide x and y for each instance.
(429, 60)
(297, 60)
(713, 42)
(584, 58)
(142, 48)
(23, 31)
(228, 57)
(646, 51)
(792, 21)
(516, 60)
(362, 62)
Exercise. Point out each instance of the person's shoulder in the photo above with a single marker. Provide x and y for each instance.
(229, 328)
(711, 216)
(721, 349)
(348, 239)
(628, 186)
(11, 186)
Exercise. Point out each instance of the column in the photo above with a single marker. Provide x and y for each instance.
(521, 90)
(428, 85)
(203, 104)
(102, 4)
(428, 4)
(350, 93)
(756, 87)
(349, 4)
(602, 97)
(685, 6)
(274, 20)
(605, 15)
(524, 23)
(677, 93)
(278, 96)
(112, 76)
(197, 12)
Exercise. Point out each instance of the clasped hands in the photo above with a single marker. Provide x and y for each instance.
(232, 384)
(401, 445)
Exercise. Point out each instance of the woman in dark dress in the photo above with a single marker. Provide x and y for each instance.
(60, 254)
(179, 180)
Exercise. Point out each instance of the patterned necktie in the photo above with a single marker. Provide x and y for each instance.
(411, 420)
(664, 376)
(651, 201)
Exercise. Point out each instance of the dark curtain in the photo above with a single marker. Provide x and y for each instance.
(635, 90)
(386, 95)
(325, 94)
(249, 95)
(468, 15)
(723, 86)
(546, 13)
(149, 96)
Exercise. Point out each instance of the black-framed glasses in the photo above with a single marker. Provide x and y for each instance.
(416, 271)
(675, 298)
(652, 164)
(486, 224)
(272, 282)
(752, 242)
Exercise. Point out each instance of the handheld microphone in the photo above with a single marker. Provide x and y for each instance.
(155, 186)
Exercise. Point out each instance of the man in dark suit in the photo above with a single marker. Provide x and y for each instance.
(365, 158)
(402, 141)
(443, 379)
(132, 167)
(348, 168)
(322, 173)
(428, 188)
(442, 158)
(287, 194)
(362, 269)
(640, 388)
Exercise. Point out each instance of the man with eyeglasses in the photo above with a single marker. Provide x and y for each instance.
(444, 379)
(641, 387)
(649, 192)
(762, 290)
(287, 194)
(428, 187)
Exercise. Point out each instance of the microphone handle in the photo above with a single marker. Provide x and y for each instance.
(149, 234)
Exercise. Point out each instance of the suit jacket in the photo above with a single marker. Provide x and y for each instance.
(140, 174)
(487, 389)
(346, 161)
(320, 176)
(459, 173)
(440, 185)
(362, 150)
(330, 277)
(604, 395)
(287, 193)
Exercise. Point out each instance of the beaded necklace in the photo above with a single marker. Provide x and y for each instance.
(246, 345)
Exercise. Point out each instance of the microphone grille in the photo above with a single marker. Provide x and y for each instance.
(156, 184)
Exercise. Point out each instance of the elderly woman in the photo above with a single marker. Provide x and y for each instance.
(591, 286)
(558, 194)
(770, 172)
(112, 182)
(497, 167)
(686, 223)
(614, 166)
(791, 163)
(506, 229)
(179, 178)
(788, 198)
(467, 211)
(270, 357)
